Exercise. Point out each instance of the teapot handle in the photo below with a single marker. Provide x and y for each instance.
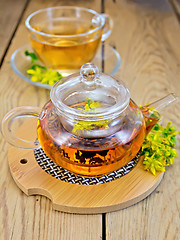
(10, 135)
(107, 27)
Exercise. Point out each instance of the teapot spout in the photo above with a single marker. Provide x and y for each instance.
(152, 112)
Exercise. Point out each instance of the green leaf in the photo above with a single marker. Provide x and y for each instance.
(32, 55)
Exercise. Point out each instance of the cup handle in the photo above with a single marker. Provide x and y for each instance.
(107, 27)
(7, 122)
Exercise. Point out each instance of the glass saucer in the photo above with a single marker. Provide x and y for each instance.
(107, 59)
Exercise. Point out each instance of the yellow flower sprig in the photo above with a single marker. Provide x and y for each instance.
(40, 73)
(90, 125)
(158, 148)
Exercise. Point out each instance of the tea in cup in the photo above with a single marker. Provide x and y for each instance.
(64, 38)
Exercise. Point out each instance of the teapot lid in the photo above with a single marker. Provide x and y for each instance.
(90, 94)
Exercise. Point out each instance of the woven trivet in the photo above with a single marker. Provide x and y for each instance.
(64, 175)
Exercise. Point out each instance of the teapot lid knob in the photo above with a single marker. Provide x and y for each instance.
(89, 72)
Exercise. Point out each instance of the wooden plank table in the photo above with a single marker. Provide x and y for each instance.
(147, 36)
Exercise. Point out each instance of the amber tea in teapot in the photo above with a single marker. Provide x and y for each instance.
(78, 153)
(90, 126)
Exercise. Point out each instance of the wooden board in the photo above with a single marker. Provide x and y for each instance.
(176, 7)
(149, 47)
(73, 198)
(147, 37)
(34, 218)
(10, 15)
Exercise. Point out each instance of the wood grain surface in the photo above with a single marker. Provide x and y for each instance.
(10, 14)
(147, 36)
(148, 42)
(23, 217)
(176, 7)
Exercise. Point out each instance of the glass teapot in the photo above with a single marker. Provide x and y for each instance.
(90, 126)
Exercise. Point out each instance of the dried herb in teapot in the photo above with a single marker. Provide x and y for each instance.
(90, 125)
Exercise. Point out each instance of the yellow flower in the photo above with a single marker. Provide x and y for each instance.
(40, 73)
(157, 148)
(90, 125)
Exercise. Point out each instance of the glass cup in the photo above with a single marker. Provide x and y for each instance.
(64, 38)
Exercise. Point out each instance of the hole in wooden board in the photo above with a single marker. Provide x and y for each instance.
(23, 161)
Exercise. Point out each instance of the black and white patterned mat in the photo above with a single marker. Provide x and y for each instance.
(64, 175)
